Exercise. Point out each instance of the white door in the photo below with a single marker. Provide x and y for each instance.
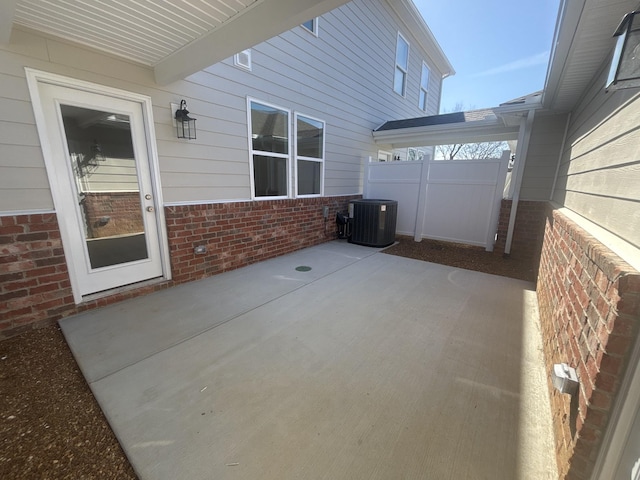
(102, 181)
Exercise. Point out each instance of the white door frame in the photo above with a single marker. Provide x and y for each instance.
(36, 77)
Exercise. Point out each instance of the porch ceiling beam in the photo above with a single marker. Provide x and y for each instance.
(7, 11)
(264, 20)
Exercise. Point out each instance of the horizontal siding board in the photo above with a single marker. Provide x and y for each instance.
(600, 171)
(622, 183)
(619, 216)
(23, 199)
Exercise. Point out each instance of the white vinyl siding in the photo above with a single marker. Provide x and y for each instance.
(309, 135)
(402, 66)
(542, 157)
(336, 77)
(424, 87)
(599, 174)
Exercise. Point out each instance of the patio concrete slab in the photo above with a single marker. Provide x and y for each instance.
(368, 366)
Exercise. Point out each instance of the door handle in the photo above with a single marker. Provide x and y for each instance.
(149, 209)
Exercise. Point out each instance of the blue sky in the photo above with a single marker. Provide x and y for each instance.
(498, 48)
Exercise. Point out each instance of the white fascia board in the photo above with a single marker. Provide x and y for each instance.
(411, 17)
(256, 24)
(7, 11)
(490, 131)
(569, 15)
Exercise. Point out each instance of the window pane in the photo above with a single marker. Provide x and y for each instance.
(308, 177)
(398, 82)
(423, 100)
(310, 25)
(270, 176)
(269, 129)
(424, 78)
(310, 137)
(402, 53)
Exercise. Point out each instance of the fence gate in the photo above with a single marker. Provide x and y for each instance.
(452, 200)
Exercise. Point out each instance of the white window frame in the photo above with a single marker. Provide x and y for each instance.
(238, 62)
(424, 89)
(314, 29)
(253, 152)
(384, 156)
(405, 71)
(309, 159)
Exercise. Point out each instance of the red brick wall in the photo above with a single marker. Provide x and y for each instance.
(589, 301)
(34, 281)
(122, 209)
(238, 234)
(528, 231)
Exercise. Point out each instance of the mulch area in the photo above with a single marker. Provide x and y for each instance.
(51, 427)
(464, 256)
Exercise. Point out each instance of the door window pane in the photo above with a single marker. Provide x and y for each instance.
(107, 188)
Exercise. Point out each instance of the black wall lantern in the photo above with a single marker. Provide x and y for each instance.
(185, 125)
(625, 66)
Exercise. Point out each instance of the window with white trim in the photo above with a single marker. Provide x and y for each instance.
(424, 87)
(311, 26)
(269, 143)
(243, 59)
(309, 134)
(384, 156)
(402, 66)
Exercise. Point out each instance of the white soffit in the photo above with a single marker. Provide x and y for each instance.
(145, 31)
(582, 44)
(175, 37)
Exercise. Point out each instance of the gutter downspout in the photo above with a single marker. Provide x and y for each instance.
(523, 147)
(564, 140)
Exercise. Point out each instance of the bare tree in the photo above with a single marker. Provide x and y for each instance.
(471, 151)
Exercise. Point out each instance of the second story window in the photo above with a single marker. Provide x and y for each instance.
(424, 87)
(243, 59)
(402, 66)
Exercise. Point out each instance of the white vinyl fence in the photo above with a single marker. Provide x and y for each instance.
(452, 200)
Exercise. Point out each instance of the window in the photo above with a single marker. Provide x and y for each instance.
(243, 59)
(424, 87)
(402, 66)
(269, 143)
(312, 26)
(309, 155)
(384, 156)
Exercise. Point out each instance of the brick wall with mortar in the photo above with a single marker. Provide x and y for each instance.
(35, 289)
(112, 213)
(528, 231)
(589, 302)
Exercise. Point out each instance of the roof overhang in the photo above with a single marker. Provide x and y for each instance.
(503, 125)
(583, 42)
(176, 39)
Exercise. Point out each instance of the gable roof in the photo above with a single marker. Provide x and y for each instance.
(486, 114)
(483, 125)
